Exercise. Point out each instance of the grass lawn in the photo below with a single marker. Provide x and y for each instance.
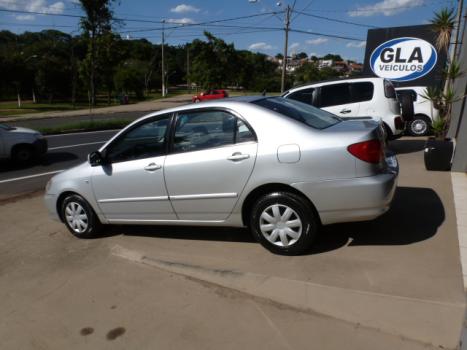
(10, 108)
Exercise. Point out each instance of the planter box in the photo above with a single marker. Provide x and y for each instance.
(438, 154)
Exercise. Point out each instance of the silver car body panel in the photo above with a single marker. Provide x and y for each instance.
(206, 188)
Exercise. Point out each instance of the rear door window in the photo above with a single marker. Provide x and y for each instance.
(305, 96)
(361, 91)
(334, 95)
(412, 93)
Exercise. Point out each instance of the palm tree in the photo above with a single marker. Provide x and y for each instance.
(443, 25)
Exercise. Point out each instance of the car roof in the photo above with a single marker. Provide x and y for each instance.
(334, 80)
(224, 102)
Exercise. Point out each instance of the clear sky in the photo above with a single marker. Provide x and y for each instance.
(259, 33)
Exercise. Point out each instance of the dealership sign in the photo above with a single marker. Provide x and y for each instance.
(403, 59)
(405, 55)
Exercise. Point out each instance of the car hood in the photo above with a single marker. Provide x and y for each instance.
(21, 130)
(79, 171)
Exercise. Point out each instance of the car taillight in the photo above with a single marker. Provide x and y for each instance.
(369, 151)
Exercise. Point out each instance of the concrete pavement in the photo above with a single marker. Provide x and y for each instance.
(394, 283)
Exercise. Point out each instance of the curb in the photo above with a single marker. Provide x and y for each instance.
(425, 321)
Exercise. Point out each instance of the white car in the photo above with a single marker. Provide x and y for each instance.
(21, 144)
(355, 97)
(424, 112)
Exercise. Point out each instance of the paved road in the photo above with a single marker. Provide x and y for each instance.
(65, 151)
(47, 122)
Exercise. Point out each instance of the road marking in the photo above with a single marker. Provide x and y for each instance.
(77, 145)
(83, 132)
(30, 176)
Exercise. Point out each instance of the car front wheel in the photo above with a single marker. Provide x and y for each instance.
(79, 217)
(283, 223)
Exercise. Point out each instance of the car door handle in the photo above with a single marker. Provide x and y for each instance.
(238, 156)
(152, 167)
(345, 111)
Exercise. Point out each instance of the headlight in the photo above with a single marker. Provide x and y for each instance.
(39, 136)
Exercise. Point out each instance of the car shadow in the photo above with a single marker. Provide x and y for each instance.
(407, 146)
(415, 215)
(46, 160)
(197, 233)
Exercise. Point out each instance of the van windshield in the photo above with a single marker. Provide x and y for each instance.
(302, 112)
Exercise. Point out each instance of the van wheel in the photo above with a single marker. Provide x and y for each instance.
(419, 126)
(79, 217)
(283, 223)
(22, 154)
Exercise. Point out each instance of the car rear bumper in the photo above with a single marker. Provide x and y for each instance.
(40, 146)
(346, 200)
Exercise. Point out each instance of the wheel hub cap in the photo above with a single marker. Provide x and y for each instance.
(280, 225)
(419, 126)
(76, 217)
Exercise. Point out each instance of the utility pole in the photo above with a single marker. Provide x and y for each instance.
(452, 54)
(457, 28)
(188, 67)
(163, 63)
(286, 43)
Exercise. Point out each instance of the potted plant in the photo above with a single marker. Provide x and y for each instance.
(439, 149)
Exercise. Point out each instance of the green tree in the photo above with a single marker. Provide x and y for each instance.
(129, 77)
(301, 55)
(306, 73)
(98, 21)
(333, 57)
(214, 62)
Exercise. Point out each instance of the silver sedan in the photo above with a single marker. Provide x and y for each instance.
(278, 166)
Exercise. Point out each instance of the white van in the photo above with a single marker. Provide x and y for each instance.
(355, 97)
(424, 112)
(21, 144)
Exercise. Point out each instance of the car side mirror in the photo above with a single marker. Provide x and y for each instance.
(97, 158)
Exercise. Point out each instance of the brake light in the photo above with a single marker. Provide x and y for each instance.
(369, 151)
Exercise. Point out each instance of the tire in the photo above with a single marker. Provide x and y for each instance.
(79, 217)
(23, 154)
(197, 100)
(406, 106)
(268, 225)
(419, 126)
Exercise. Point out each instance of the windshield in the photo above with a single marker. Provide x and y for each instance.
(6, 127)
(302, 112)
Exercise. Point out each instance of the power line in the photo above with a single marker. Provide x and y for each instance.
(334, 36)
(143, 20)
(336, 20)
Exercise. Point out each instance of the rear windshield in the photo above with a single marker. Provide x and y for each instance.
(302, 112)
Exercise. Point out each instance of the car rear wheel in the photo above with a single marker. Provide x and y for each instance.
(79, 217)
(419, 126)
(283, 223)
(407, 107)
(197, 100)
